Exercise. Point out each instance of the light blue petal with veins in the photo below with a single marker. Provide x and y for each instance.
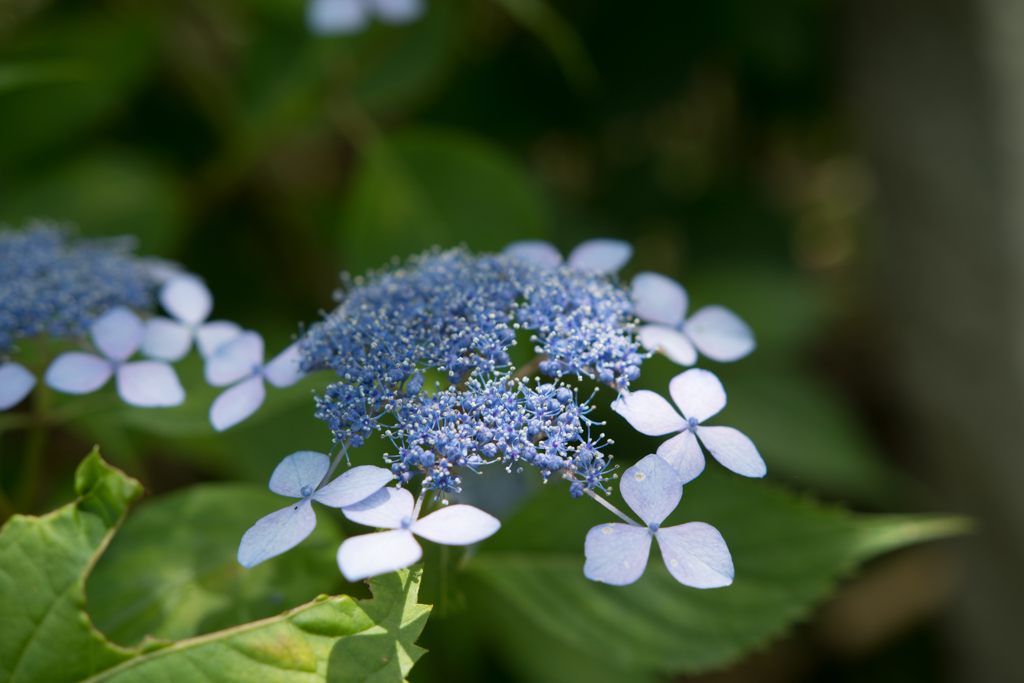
(298, 470)
(456, 525)
(720, 334)
(698, 393)
(651, 488)
(616, 553)
(387, 509)
(659, 299)
(276, 533)
(649, 413)
(733, 449)
(361, 557)
(355, 485)
(696, 555)
(683, 454)
(668, 341)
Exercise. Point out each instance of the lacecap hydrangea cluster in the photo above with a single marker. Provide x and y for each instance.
(54, 285)
(459, 314)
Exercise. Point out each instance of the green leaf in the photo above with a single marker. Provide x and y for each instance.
(43, 565)
(46, 637)
(789, 554)
(111, 55)
(103, 193)
(172, 571)
(426, 186)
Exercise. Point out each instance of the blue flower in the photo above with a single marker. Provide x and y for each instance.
(117, 335)
(699, 395)
(53, 285)
(299, 476)
(695, 553)
(346, 17)
(188, 300)
(714, 330)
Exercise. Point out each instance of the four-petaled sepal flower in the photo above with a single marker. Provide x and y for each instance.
(361, 557)
(188, 300)
(694, 553)
(700, 395)
(714, 330)
(240, 362)
(117, 334)
(298, 476)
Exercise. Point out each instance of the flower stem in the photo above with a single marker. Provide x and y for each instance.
(419, 503)
(611, 507)
(35, 450)
(335, 463)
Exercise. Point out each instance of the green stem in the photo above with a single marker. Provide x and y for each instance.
(35, 450)
(611, 507)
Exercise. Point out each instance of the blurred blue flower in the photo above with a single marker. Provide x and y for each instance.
(699, 395)
(117, 334)
(16, 382)
(53, 285)
(600, 255)
(695, 553)
(188, 300)
(346, 17)
(298, 476)
(714, 330)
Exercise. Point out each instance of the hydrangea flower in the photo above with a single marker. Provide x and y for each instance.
(361, 557)
(699, 395)
(55, 286)
(240, 363)
(16, 382)
(459, 313)
(117, 334)
(600, 255)
(298, 476)
(714, 330)
(188, 299)
(694, 553)
(345, 17)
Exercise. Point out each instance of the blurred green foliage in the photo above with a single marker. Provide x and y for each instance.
(225, 136)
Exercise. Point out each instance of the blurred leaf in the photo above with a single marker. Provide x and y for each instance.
(559, 36)
(104, 193)
(172, 571)
(15, 76)
(424, 187)
(809, 437)
(111, 56)
(396, 68)
(44, 635)
(788, 552)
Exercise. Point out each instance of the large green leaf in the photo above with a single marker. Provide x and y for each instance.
(789, 554)
(424, 187)
(171, 572)
(46, 636)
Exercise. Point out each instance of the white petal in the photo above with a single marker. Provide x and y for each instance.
(302, 468)
(683, 453)
(659, 299)
(161, 270)
(117, 333)
(237, 403)
(601, 255)
(283, 369)
(336, 17)
(616, 553)
(537, 252)
(696, 555)
(387, 509)
(149, 384)
(720, 334)
(669, 341)
(354, 486)
(648, 412)
(698, 393)
(16, 382)
(733, 449)
(277, 532)
(361, 557)
(211, 336)
(187, 298)
(75, 372)
(399, 12)
(651, 488)
(456, 525)
(166, 339)
(240, 357)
